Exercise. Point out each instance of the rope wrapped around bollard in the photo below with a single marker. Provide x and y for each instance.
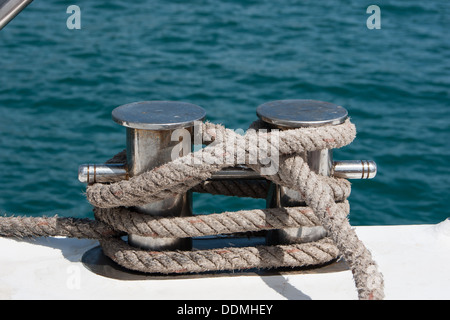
(325, 198)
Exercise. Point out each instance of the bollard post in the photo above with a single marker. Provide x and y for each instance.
(149, 143)
(290, 114)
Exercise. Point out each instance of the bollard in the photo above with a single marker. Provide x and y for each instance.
(149, 143)
(149, 129)
(290, 114)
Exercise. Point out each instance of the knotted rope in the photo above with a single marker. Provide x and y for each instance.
(325, 198)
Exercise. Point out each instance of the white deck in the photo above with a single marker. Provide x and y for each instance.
(414, 260)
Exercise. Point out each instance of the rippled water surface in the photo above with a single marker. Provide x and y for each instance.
(59, 86)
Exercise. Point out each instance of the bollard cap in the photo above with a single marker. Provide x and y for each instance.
(158, 115)
(301, 113)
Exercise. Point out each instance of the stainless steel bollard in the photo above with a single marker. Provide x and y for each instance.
(149, 129)
(150, 125)
(289, 114)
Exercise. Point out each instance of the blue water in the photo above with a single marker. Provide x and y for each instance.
(59, 86)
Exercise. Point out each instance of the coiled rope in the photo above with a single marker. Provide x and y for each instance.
(325, 198)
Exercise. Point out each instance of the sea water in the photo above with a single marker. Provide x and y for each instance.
(59, 84)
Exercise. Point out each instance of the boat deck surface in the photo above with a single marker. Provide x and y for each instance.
(414, 260)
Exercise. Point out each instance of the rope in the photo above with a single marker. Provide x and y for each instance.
(220, 259)
(212, 224)
(184, 173)
(325, 198)
(24, 227)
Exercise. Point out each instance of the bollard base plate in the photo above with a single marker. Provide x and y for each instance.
(97, 262)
